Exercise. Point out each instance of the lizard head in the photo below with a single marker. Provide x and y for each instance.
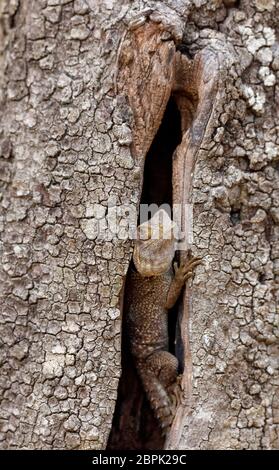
(155, 247)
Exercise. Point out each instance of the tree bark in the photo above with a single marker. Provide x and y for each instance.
(79, 112)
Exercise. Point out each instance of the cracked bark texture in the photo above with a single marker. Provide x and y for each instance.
(65, 143)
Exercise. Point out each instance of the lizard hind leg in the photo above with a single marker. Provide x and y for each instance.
(164, 365)
(157, 397)
(159, 378)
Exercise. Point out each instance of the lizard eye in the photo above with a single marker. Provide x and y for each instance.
(144, 233)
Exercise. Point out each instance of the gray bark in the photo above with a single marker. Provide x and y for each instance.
(65, 146)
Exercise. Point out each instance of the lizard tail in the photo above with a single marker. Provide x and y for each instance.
(158, 398)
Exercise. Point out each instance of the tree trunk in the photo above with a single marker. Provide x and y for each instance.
(85, 87)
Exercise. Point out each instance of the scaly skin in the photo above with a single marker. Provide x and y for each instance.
(148, 299)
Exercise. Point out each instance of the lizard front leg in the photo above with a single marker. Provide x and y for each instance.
(181, 275)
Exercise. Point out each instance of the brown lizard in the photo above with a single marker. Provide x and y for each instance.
(152, 288)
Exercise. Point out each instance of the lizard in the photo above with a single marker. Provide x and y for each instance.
(154, 284)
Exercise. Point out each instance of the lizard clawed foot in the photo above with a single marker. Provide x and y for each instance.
(185, 270)
(175, 392)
